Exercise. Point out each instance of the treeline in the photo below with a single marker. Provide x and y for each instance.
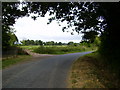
(96, 42)
(39, 42)
(9, 39)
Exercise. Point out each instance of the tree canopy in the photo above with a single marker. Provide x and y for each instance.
(81, 15)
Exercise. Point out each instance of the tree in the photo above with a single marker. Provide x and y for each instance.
(50, 43)
(71, 43)
(59, 43)
(40, 42)
(13, 39)
(10, 13)
(109, 39)
(32, 42)
(9, 38)
(26, 42)
(23, 42)
(36, 42)
(90, 36)
(97, 41)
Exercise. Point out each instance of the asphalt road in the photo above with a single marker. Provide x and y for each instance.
(51, 72)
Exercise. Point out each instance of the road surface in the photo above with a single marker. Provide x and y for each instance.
(51, 72)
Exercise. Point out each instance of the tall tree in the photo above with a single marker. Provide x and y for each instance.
(13, 39)
(40, 42)
(109, 41)
(10, 13)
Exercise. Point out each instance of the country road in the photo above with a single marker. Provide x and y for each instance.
(50, 72)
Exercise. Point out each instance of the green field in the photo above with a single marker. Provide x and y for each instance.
(58, 49)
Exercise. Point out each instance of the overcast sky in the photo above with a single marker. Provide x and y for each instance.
(27, 28)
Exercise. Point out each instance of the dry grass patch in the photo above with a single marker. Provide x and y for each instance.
(83, 75)
(90, 72)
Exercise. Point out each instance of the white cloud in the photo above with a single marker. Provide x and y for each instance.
(27, 28)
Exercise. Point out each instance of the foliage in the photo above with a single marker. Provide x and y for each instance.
(63, 12)
(39, 42)
(13, 39)
(97, 41)
(31, 42)
(89, 36)
(70, 43)
(9, 38)
(8, 19)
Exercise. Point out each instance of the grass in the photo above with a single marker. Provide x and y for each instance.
(59, 49)
(30, 47)
(91, 71)
(14, 60)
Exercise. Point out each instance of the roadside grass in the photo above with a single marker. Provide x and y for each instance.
(30, 47)
(91, 71)
(14, 60)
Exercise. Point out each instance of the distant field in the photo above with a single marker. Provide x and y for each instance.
(57, 49)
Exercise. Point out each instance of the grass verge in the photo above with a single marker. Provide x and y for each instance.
(91, 71)
(14, 60)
